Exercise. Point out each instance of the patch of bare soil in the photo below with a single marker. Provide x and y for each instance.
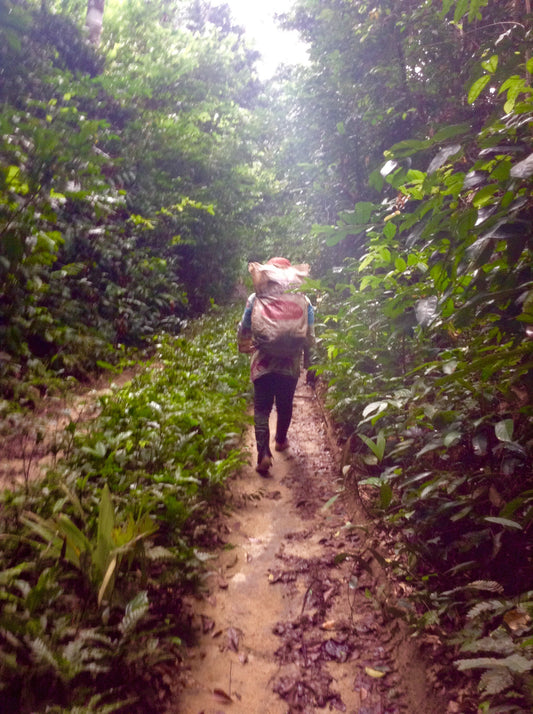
(32, 441)
(290, 619)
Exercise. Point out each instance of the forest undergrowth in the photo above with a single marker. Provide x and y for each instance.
(96, 556)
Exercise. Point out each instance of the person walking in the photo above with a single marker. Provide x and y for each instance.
(274, 377)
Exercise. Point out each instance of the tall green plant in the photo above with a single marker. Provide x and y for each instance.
(428, 342)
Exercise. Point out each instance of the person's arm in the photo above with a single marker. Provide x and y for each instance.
(310, 340)
(244, 331)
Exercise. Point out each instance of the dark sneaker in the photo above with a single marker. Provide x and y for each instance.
(283, 446)
(263, 466)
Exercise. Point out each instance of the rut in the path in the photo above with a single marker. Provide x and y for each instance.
(290, 620)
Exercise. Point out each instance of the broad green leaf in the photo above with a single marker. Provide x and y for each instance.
(446, 5)
(461, 9)
(409, 147)
(474, 10)
(12, 173)
(491, 65)
(484, 196)
(104, 537)
(377, 447)
(478, 86)
(374, 407)
(331, 501)
(452, 437)
(400, 264)
(448, 132)
(450, 366)
(504, 430)
(523, 169)
(385, 495)
(335, 236)
(389, 230)
(77, 543)
(506, 522)
(363, 212)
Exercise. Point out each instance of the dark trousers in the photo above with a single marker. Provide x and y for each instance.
(267, 389)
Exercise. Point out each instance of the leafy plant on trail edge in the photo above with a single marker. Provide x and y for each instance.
(427, 349)
(95, 558)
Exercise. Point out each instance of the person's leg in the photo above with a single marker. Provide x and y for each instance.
(284, 392)
(263, 401)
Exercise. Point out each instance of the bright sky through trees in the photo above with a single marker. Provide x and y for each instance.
(275, 45)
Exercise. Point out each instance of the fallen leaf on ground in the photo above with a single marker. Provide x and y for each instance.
(233, 639)
(221, 695)
(516, 620)
(328, 625)
(207, 624)
(375, 673)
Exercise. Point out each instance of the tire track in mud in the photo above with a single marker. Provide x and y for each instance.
(289, 621)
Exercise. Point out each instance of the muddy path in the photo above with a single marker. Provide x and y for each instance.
(290, 617)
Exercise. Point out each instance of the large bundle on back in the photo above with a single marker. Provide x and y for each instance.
(279, 318)
(272, 279)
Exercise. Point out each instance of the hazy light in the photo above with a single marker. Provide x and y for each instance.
(275, 45)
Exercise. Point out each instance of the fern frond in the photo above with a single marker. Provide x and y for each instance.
(157, 552)
(485, 606)
(494, 681)
(9, 574)
(95, 668)
(502, 644)
(42, 653)
(516, 663)
(135, 610)
(96, 707)
(490, 585)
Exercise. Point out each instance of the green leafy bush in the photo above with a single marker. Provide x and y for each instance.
(428, 353)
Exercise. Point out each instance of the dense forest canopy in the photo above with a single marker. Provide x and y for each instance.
(143, 163)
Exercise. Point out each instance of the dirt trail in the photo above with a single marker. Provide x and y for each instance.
(289, 621)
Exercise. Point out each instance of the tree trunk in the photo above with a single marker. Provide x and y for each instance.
(94, 19)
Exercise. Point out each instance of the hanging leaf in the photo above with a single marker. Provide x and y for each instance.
(504, 430)
(448, 132)
(442, 157)
(362, 212)
(389, 230)
(374, 407)
(461, 9)
(388, 167)
(491, 65)
(506, 522)
(524, 169)
(478, 86)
